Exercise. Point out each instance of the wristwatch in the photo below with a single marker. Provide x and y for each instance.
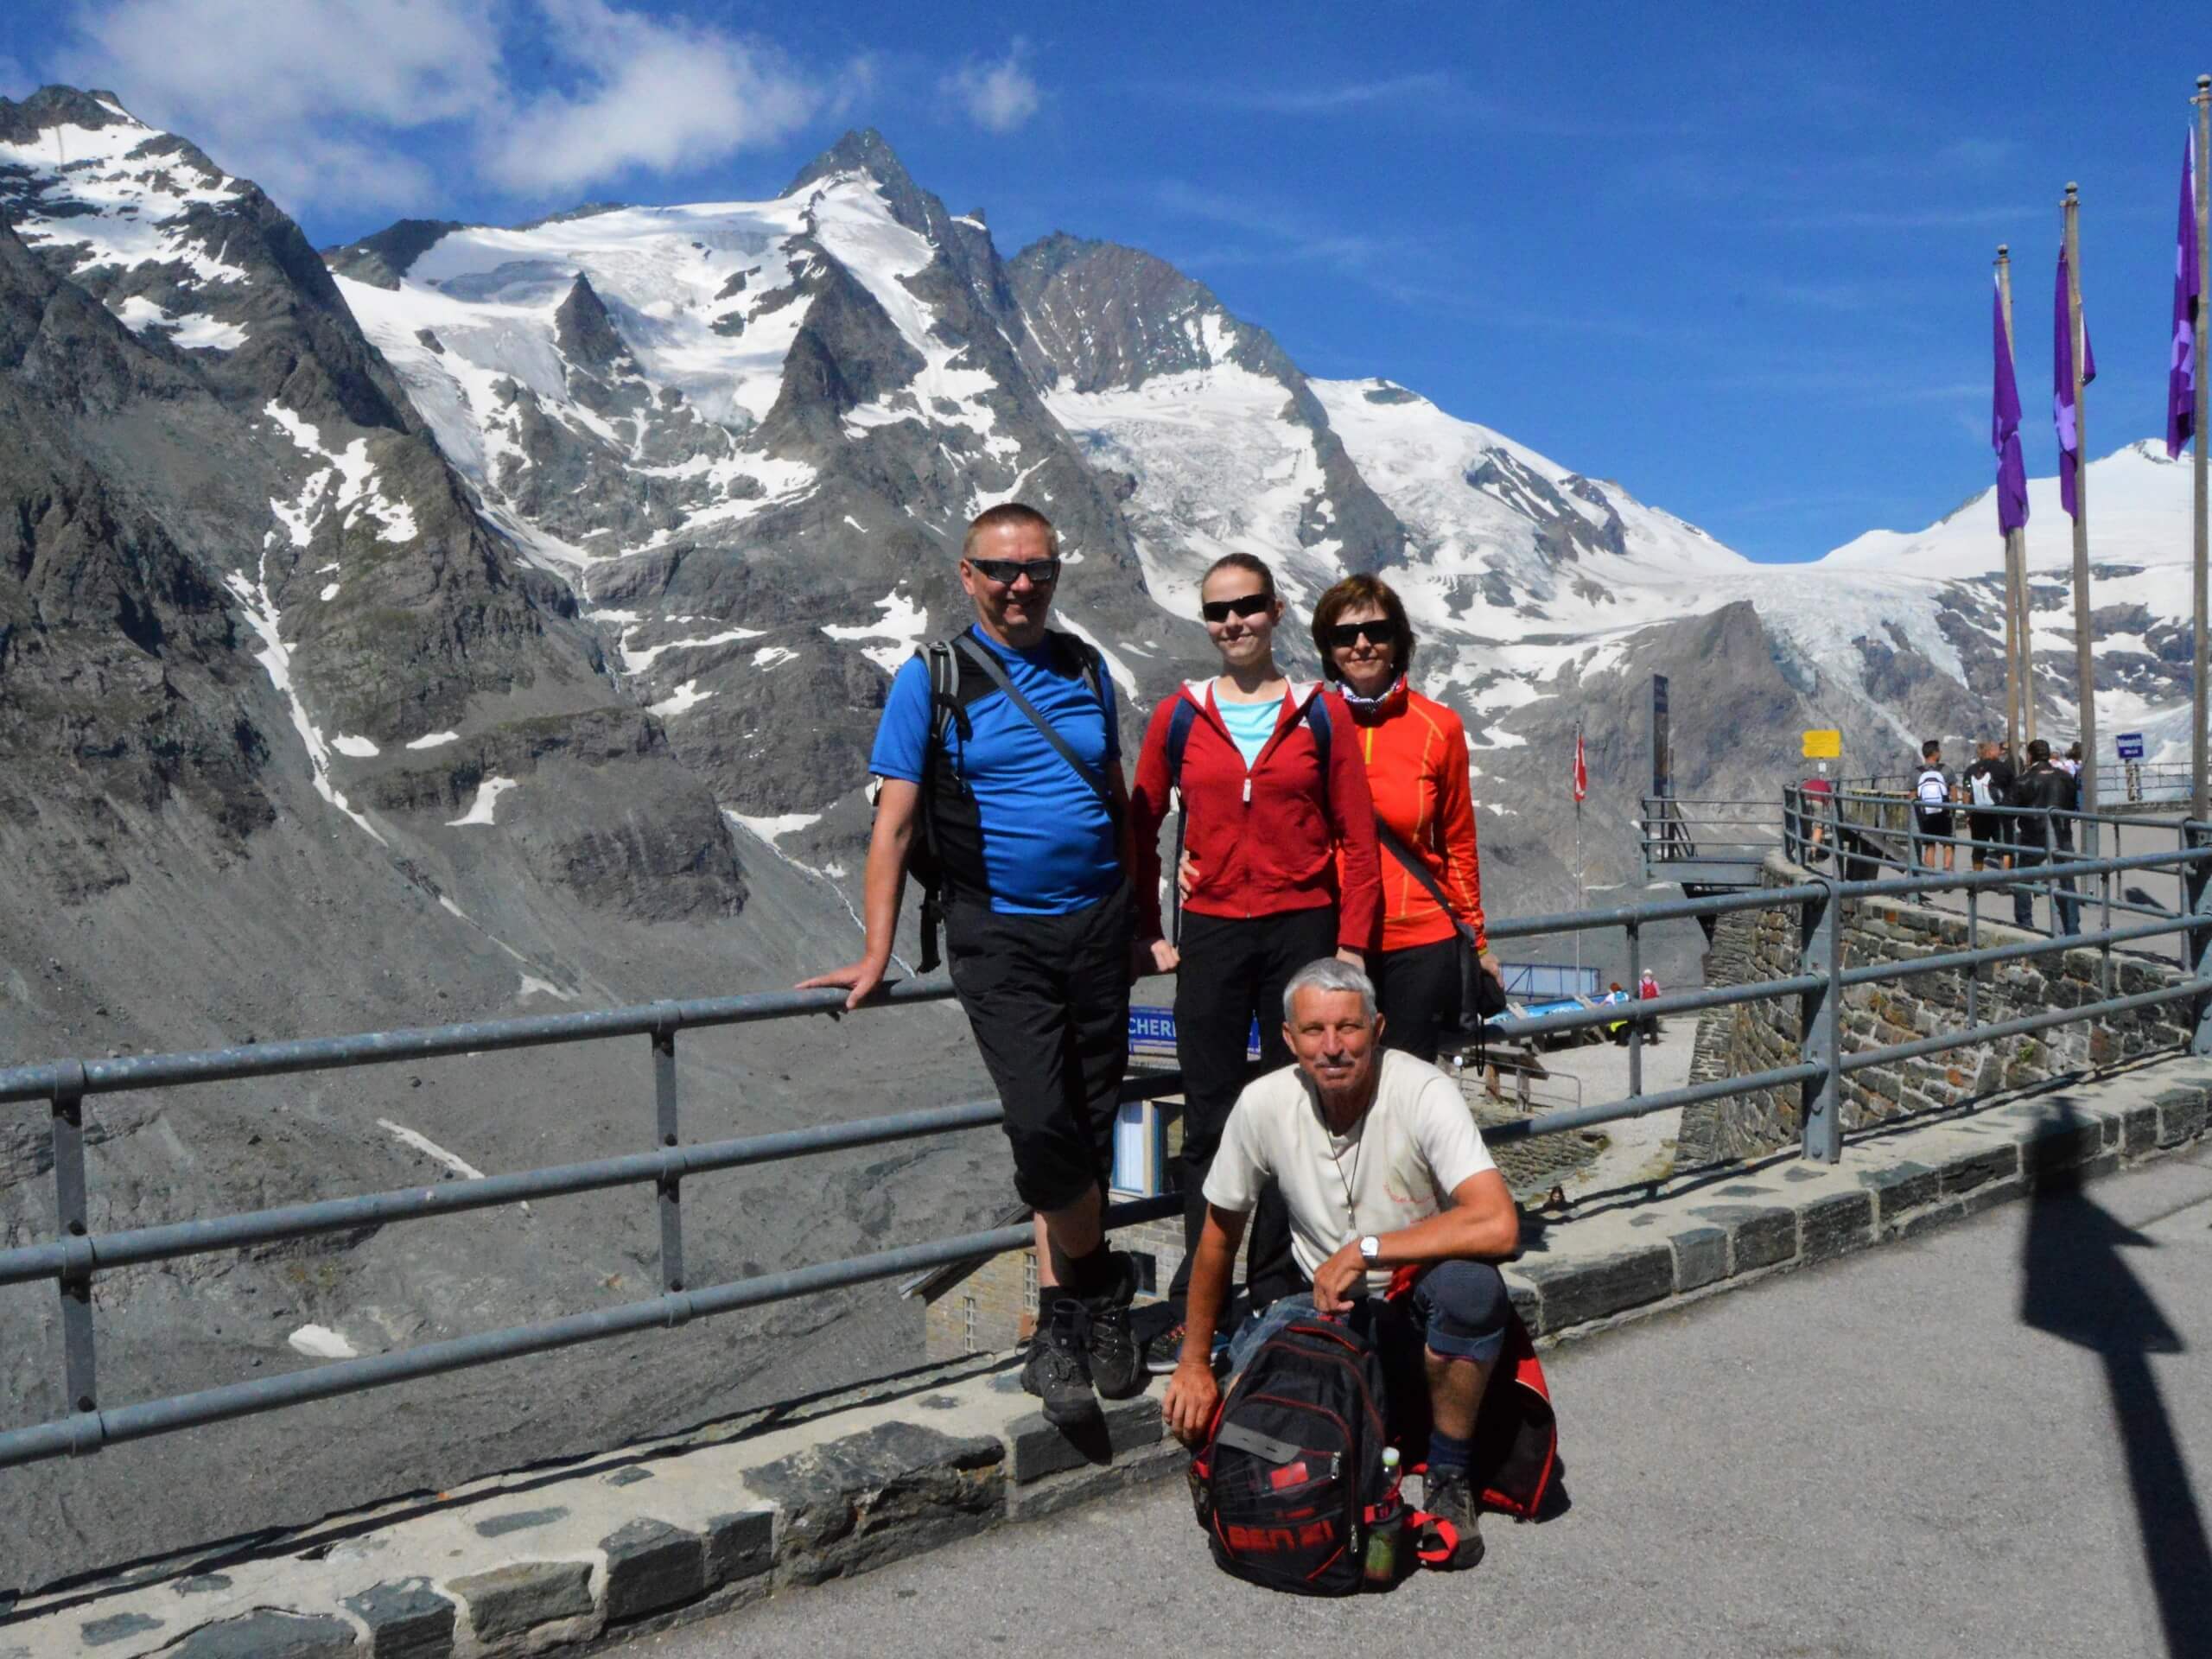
(1370, 1248)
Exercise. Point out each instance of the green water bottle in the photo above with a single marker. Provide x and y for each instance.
(1386, 1531)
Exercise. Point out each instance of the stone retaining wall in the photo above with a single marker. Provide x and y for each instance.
(1760, 944)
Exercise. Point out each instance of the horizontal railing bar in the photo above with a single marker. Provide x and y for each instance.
(163, 1242)
(1874, 973)
(151, 1417)
(1657, 1008)
(1860, 1059)
(428, 1042)
(1582, 1118)
(1660, 910)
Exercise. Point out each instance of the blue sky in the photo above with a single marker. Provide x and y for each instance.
(1736, 257)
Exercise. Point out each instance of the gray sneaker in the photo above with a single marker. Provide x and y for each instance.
(1448, 1496)
(1058, 1370)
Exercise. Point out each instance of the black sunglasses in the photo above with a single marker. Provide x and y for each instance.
(1007, 572)
(1380, 632)
(1220, 610)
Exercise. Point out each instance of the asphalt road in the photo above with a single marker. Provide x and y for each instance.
(1995, 1441)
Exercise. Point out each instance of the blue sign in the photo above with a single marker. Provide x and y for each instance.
(1152, 1029)
(1150, 1026)
(2131, 746)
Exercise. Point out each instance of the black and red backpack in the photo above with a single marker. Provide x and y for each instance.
(1292, 1472)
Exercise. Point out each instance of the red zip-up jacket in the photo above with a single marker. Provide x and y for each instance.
(1266, 840)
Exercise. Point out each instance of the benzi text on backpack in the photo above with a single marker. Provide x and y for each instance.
(1293, 1470)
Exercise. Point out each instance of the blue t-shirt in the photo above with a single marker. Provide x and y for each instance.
(1251, 725)
(1048, 845)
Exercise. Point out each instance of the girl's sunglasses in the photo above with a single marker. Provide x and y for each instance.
(1344, 635)
(1220, 610)
(1007, 572)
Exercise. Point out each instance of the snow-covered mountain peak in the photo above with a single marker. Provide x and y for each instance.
(129, 211)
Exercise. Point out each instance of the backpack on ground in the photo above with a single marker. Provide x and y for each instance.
(1315, 713)
(1292, 1470)
(1933, 791)
(948, 720)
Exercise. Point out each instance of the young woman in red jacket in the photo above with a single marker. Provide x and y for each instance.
(1415, 752)
(1272, 788)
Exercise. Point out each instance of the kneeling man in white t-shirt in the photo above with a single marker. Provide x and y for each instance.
(1382, 1168)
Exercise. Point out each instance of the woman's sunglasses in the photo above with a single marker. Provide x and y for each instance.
(1345, 635)
(1007, 572)
(1220, 610)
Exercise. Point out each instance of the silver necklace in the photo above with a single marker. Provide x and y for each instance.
(1351, 1211)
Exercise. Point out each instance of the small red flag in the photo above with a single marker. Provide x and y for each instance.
(1581, 771)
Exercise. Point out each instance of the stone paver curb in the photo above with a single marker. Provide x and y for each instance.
(614, 1546)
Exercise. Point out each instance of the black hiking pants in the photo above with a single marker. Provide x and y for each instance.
(1048, 999)
(1233, 972)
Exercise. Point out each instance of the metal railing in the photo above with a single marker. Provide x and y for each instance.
(76, 1256)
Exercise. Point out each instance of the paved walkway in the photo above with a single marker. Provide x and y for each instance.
(1994, 1440)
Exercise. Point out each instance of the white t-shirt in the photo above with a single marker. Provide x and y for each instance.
(1400, 1162)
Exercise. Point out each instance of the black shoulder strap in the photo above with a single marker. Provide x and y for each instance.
(997, 675)
(1415, 869)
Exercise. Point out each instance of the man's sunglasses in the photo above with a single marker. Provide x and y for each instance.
(1220, 610)
(1380, 632)
(1007, 572)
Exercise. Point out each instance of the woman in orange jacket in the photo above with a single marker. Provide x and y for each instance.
(1416, 754)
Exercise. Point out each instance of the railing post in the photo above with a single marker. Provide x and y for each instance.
(1636, 1026)
(2196, 884)
(669, 1186)
(1973, 943)
(1819, 943)
(72, 1223)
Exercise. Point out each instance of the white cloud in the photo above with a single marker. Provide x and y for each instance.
(312, 101)
(998, 96)
(655, 95)
(296, 97)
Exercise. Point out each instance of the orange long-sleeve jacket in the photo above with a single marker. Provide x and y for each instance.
(1416, 754)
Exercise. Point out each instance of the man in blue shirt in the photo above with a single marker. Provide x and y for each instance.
(1026, 839)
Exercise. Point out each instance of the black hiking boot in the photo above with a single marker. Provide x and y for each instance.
(1117, 1366)
(1058, 1371)
(1450, 1497)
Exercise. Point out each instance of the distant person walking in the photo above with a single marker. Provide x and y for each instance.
(1816, 798)
(2070, 762)
(1279, 830)
(1932, 792)
(1415, 752)
(1647, 989)
(1989, 783)
(1000, 748)
(2044, 787)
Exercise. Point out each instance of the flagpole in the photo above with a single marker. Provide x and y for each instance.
(2017, 680)
(1582, 892)
(2197, 802)
(2084, 662)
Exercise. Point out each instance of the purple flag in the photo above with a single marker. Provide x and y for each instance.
(2189, 290)
(2005, 432)
(2062, 393)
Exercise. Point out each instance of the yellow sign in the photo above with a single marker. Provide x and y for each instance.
(1823, 745)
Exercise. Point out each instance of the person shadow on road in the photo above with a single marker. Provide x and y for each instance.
(2077, 1286)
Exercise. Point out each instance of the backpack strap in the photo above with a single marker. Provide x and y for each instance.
(1318, 720)
(946, 718)
(1417, 869)
(995, 672)
(1178, 739)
